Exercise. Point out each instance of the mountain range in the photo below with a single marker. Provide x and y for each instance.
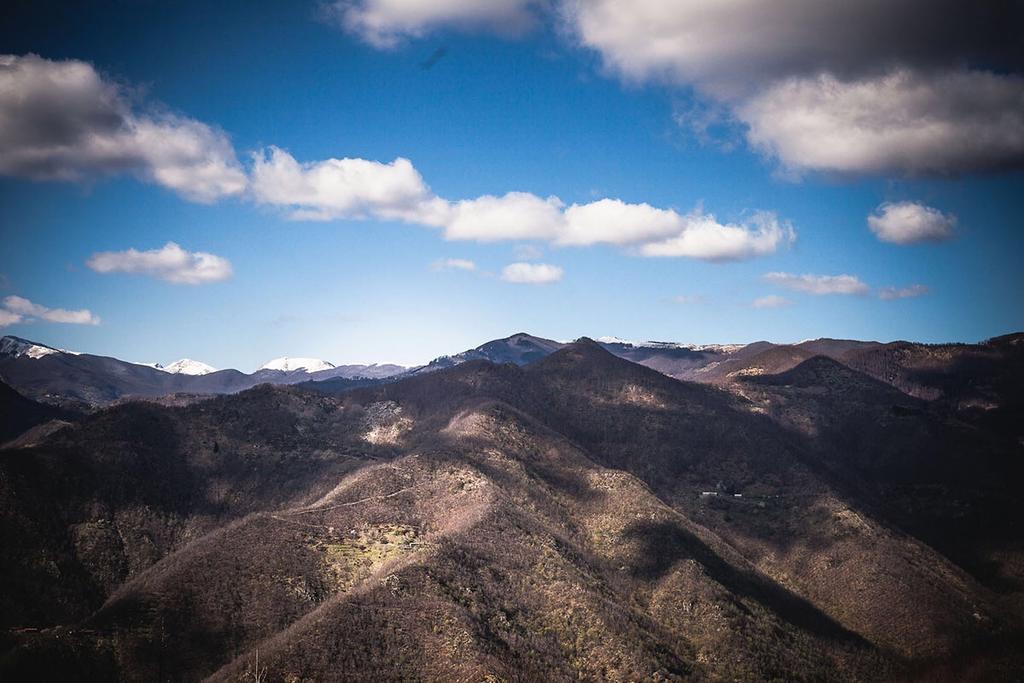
(84, 380)
(924, 370)
(527, 510)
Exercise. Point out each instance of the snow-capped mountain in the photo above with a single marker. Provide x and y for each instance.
(287, 364)
(187, 366)
(716, 348)
(520, 349)
(15, 347)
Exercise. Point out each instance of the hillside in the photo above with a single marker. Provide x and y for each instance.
(82, 380)
(578, 517)
(19, 414)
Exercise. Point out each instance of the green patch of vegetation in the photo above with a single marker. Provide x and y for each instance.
(365, 550)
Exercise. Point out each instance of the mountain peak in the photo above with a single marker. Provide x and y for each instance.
(187, 366)
(584, 350)
(16, 346)
(289, 364)
(585, 342)
(820, 370)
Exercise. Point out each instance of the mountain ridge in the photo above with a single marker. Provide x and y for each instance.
(581, 515)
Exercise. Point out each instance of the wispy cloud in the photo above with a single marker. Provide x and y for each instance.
(818, 284)
(771, 301)
(20, 309)
(9, 318)
(528, 252)
(687, 299)
(889, 293)
(170, 263)
(386, 23)
(531, 273)
(453, 264)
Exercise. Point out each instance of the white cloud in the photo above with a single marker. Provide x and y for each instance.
(874, 87)
(613, 221)
(358, 188)
(901, 121)
(910, 222)
(818, 284)
(889, 293)
(453, 264)
(341, 188)
(514, 216)
(9, 318)
(60, 120)
(170, 263)
(531, 273)
(854, 87)
(528, 252)
(685, 299)
(771, 301)
(384, 23)
(730, 46)
(21, 308)
(702, 237)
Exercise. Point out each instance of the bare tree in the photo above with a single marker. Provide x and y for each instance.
(257, 674)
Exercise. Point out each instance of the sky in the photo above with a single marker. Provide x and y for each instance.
(393, 180)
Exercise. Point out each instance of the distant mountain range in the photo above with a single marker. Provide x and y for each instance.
(829, 510)
(81, 380)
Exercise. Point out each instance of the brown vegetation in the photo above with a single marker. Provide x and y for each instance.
(492, 522)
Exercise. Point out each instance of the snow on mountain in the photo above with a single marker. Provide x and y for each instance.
(645, 344)
(615, 340)
(716, 348)
(16, 346)
(287, 364)
(187, 366)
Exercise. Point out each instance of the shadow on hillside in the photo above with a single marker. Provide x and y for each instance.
(664, 544)
(165, 637)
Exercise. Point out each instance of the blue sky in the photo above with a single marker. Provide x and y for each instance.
(544, 112)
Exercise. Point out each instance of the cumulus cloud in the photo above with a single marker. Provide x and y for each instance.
(729, 46)
(453, 264)
(908, 86)
(900, 121)
(61, 120)
(818, 284)
(771, 301)
(384, 23)
(531, 273)
(358, 188)
(9, 318)
(702, 237)
(170, 263)
(910, 222)
(889, 293)
(19, 309)
(341, 188)
(613, 221)
(514, 216)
